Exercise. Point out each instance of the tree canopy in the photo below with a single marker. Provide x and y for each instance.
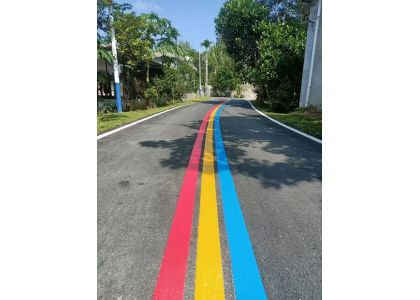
(206, 44)
(140, 39)
(238, 26)
(266, 40)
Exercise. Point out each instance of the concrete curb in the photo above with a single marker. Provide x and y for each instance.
(285, 126)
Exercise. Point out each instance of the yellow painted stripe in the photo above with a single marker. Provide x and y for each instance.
(209, 271)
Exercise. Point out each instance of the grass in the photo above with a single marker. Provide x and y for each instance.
(308, 120)
(109, 121)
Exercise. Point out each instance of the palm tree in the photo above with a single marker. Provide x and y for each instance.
(216, 57)
(206, 44)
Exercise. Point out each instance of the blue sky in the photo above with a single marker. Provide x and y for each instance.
(194, 19)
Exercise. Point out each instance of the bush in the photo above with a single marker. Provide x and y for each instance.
(175, 83)
(224, 82)
(282, 49)
(284, 97)
(106, 105)
(151, 95)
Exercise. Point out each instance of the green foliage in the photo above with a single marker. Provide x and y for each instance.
(282, 49)
(151, 95)
(140, 36)
(218, 57)
(105, 54)
(106, 105)
(158, 33)
(287, 10)
(186, 51)
(101, 77)
(139, 39)
(132, 47)
(266, 40)
(224, 82)
(176, 82)
(206, 44)
(306, 119)
(238, 26)
(102, 16)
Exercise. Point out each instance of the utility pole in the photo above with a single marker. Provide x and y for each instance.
(311, 67)
(207, 73)
(116, 70)
(199, 72)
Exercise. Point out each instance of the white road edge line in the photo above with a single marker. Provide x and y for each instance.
(138, 121)
(285, 126)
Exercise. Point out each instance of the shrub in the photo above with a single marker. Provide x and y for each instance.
(224, 82)
(151, 95)
(175, 83)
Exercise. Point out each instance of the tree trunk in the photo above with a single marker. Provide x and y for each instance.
(266, 92)
(148, 72)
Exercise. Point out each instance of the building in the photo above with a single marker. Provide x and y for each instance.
(311, 88)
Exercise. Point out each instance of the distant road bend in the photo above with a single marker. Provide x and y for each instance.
(209, 201)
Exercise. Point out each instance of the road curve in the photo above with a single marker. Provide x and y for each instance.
(277, 177)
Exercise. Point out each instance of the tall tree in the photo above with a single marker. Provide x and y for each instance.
(282, 50)
(218, 57)
(238, 26)
(102, 17)
(266, 39)
(103, 35)
(160, 35)
(287, 10)
(186, 50)
(139, 37)
(206, 44)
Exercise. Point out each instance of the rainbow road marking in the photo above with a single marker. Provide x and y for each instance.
(209, 283)
(209, 271)
(171, 279)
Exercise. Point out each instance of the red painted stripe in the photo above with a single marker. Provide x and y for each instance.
(171, 279)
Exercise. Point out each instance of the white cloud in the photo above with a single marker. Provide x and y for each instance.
(142, 6)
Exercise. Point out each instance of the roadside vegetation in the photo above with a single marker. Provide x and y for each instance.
(260, 42)
(112, 120)
(308, 119)
(266, 41)
(156, 69)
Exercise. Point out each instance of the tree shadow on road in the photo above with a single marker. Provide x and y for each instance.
(180, 149)
(255, 148)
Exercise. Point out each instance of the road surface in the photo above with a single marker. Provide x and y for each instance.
(276, 175)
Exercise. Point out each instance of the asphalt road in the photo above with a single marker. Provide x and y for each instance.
(277, 176)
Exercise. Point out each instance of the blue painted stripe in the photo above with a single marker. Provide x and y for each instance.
(118, 96)
(246, 277)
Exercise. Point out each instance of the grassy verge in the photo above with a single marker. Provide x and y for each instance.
(108, 121)
(308, 120)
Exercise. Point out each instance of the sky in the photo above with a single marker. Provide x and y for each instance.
(194, 19)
